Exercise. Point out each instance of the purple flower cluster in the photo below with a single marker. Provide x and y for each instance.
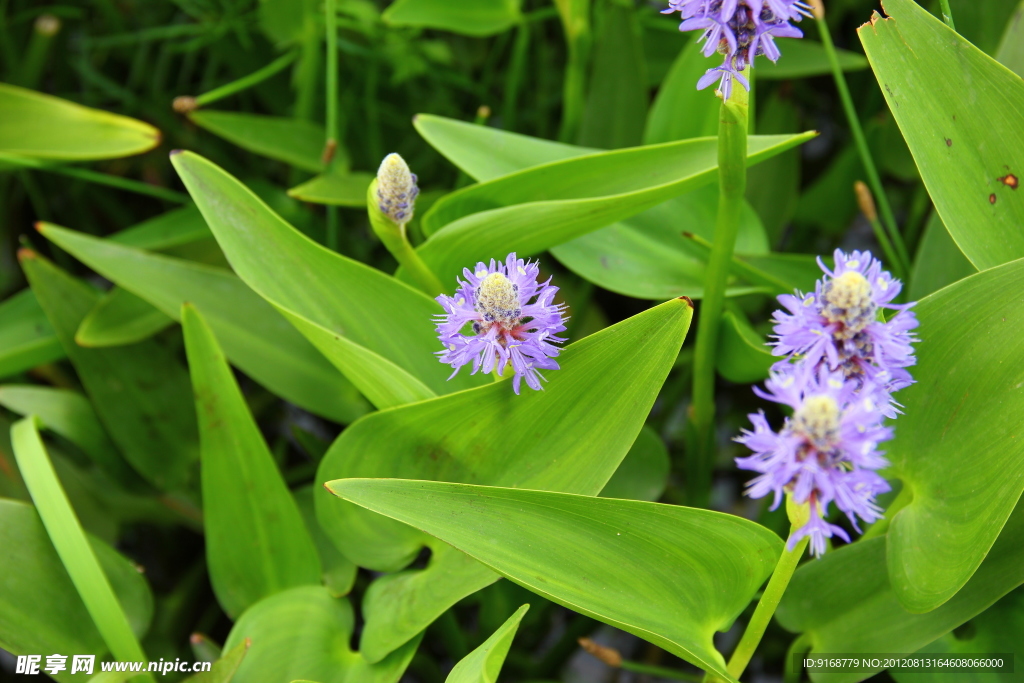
(740, 30)
(842, 366)
(499, 315)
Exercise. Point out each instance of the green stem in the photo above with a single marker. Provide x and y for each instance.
(576, 21)
(331, 144)
(34, 61)
(99, 178)
(659, 671)
(246, 82)
(516, 70)
(732, 182)
(765, 609)
(900, 260)
(396, 239)
(947, 16)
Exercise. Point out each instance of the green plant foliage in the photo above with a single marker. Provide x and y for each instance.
(643, 473)
(121, 318)
(483, 664)
(966, 154)
(141, 392)
(807, 58)
(295, 142)
(605, 389)
(939, 261)
(743, 355)
(45, 127)
(584, 552)
(224, 669)
(27, 339)
(40, 610)
(303, 633)
(336, 302)
(469, 17)
(862, 612)
(256, 541)
(964, 374)
(336, 187)
(253, 334)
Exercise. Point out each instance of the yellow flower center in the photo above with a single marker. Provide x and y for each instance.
(497, 299)
(848, 301)
(818, 420)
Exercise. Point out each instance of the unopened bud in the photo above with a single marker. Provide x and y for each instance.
(608, 655)
(865, 201)
(184, 104)
(817, 9)
(396, 189)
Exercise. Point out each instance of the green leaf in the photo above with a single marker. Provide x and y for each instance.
(587, 553)
(337, 187)
(678, 93)
(26, 337)
(254, 335)
(541, 207)
(296, 142)
(773, 186)
(483, 664)
(939, 262)
(69, 414)
(570, 437)
(616, 104)
(170, 229)
(970, 157)
(224, 669)
(1011, 49)
(844, 602)
(743, 356)
(376, 330)
(339, 573)
(74, 548)
(256, 541)
(40, 610)
(45, 127)
(802, 58)
(304, 633)
(469, 17)
(959, 436)
(140, 392)
(644, 471)
(121, 318)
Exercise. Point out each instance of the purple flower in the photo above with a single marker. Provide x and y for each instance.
(838, 327)
(740, 30)
(826, 452)
(502, 315)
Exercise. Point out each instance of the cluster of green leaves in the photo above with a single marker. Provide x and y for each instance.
(194, 385)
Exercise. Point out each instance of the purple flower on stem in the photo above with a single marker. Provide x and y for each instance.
(499, 315)
(838, 327)
(826, 452)
(740, 30)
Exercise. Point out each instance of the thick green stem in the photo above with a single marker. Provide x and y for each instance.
(947, 16)
(246, 82)
(894, 247)
(331, 144)
(576, 20)
(396, 239)
(732, 183)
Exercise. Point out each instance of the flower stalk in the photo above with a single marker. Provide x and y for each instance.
(732, 181)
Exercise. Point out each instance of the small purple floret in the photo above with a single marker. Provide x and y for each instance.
(499, 315)
(740, 30)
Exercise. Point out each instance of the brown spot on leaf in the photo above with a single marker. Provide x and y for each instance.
(688, 300)
(949, 143)
(992, 198)
(1010, 180)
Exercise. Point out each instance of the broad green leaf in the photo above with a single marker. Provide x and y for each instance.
(121, 318)
(959, 436)
(45, 127)
(40, 610)
(293, 141)
(376, 330)
(337, 187)
(678, 93)
(970, 157)
(643, 473)
(844, 602)
(803, 58)
(256, 541)
(140, 392)
(254, 335)
(1011, 49)
(545, 206)
(742, 357)
(304, 633)
(468, 17)
(339, 573)
(72, 545)
(981, 23)
(488, 153)
(1000, 628)
(616, 104)
(223, 670)
(171, 229)
(939, 262)
(570, 437)
(669, 574)
(483, 664)
(26, 337)
(69, 414)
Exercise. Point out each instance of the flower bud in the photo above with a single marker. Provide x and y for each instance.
(396, 189)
